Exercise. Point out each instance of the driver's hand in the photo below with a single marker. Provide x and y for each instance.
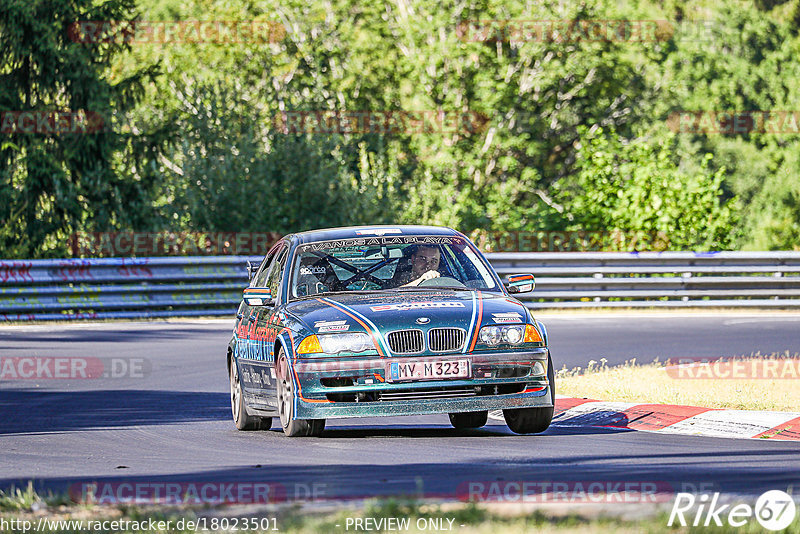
(430, 275)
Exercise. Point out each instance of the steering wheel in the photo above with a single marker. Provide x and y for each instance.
(364, 285)
(442, 281)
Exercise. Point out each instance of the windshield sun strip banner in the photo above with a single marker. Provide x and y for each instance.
(377, 338)
(380, 241)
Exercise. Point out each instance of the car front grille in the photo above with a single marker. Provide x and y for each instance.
(413, 394)
(405, 341)
(446, 339)
(451, 392)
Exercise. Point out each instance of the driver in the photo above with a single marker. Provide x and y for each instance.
(424, 265)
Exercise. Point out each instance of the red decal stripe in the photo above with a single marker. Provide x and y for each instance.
(477, 323)
(294, 371)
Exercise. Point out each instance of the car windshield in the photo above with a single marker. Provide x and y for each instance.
(380, 263)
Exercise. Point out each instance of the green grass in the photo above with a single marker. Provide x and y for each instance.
(464, 518)
(16, 499)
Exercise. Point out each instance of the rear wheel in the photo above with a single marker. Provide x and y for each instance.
(292, 427)
(533, 420)
(241, 418)
(469, 419)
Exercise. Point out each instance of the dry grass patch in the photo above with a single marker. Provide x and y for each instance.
(755, 382)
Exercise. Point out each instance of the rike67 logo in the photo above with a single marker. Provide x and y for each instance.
(774, 510)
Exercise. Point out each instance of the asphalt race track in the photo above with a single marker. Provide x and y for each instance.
(170, 420)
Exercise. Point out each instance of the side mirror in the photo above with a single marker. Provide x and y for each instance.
(520, 283)
(258, 296)
(251, 269)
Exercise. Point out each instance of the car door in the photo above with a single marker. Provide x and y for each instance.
(252, 344)
(269, 323)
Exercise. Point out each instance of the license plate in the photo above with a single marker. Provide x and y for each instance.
(420, 370)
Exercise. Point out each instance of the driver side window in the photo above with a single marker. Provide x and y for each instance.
(273, 280)
(260, 279)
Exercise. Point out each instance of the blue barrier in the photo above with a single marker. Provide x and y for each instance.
(129, 288)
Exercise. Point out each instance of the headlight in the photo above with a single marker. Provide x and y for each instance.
(336, 343)
(494, 335)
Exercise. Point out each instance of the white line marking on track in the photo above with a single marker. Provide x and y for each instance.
(729, 423)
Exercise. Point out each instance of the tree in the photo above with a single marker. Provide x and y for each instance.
(89, 177)
(235, 171)
(638, 189)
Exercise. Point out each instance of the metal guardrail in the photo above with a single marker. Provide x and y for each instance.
(201, 286)
(657, 279)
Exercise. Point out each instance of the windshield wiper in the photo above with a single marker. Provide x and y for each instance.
(415, 288)
(345, 292)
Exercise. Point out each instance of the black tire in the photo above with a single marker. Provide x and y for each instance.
(241, 418)
(285, 389)
(533, 420)
(469, 419)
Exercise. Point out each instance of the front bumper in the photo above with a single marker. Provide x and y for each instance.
(329, 388)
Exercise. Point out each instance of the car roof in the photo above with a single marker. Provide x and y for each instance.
(355, 232)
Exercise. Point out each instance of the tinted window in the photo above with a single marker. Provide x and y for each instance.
(275, 270)
(259, 280)
(388, 263)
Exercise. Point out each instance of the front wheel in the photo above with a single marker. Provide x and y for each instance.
(241, 418)
(469, 419)
(292, 427)
(533, 420)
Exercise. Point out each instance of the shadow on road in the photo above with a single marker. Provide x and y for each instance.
(27, 411)
(109, 334)
(441, 480)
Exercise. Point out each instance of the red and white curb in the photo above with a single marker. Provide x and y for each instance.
(674, 419)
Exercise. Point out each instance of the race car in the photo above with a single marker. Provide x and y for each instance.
(379, 321)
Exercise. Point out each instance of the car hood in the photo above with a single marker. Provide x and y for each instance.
(392, 310)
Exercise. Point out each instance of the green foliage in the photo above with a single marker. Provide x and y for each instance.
(748, 61)
(54, 183)
(637, 187)
(567, 135)
(233, 172)
(776, 223)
